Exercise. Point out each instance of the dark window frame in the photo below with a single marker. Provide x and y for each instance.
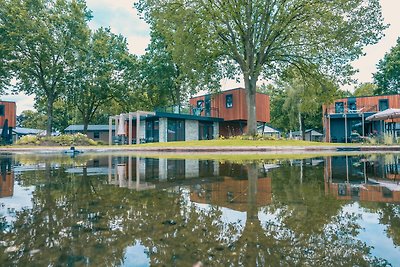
(96, 134)
(385, 100)
(229, 101)
(2, 110)
(339, 107)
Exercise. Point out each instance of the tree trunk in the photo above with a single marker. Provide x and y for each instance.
(85, 125)
(50, 102)
(250, 86)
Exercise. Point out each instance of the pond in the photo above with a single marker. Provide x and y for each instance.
(126, 210)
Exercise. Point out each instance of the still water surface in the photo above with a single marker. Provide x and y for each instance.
(114, 210)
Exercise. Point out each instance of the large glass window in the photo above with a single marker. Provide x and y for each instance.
(2, 110)
(176, 130)
(152, 131)
(383, 104)
(206, 130)
(96, 135)
(351, 104)
(229, 101)
(339, 107)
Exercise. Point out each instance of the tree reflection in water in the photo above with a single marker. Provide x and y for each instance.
(78, 218)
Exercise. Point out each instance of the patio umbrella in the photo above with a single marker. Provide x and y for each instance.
(391, 113)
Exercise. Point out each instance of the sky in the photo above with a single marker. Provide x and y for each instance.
(123, 19)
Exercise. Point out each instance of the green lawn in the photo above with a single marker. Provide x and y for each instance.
(235, 142)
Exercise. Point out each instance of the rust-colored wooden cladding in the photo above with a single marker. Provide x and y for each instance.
(366, 103)
(10, 113)
(233, 193)
(238, 111)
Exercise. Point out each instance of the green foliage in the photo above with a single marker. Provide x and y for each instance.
(98, 74)
(61, 140)
(298, 95)
(365, 89)
(259, 38)
(387, 78)
(32, 119)
(43, 37)
(257, 137)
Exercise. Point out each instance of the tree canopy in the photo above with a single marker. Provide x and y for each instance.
(387, 78)
(43, 37)
(261, 39)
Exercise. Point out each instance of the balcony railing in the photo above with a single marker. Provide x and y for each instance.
(346, 109)
(190, 110)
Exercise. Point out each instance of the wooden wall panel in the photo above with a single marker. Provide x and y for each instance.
(239, 109)
(10, 113)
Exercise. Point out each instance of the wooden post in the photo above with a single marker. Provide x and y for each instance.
(110, 131)
(130, 129)
(329, 127)
(363, 124)
(345, 128)
(138, 128)
(137, 173)
(130, 171)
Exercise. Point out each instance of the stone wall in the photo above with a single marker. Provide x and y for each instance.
(163, 126)
(191, 130)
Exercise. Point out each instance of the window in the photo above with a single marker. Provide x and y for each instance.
(383, 104)
(351, 104)
(175, 130)
(229, 101)
(96, 135)
(339, 107)
(200, 103)
(2, 109)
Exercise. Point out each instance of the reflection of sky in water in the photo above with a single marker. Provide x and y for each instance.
(374, 234)
(136, 256)
(228, 217)
(22, 198)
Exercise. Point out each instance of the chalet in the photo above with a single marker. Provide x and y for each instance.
(207, 117)
(231, 106)
(8, 119)
(348, 115)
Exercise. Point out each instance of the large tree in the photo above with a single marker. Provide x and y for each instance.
(387, 78)
(262, 38)
(365, 89)
(98, 73)
(43, 36)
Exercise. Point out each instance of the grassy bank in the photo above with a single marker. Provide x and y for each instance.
(241, 143)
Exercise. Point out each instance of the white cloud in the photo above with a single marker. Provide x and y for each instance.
(122, 18)
(24, 102)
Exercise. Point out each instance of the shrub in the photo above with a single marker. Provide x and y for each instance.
(61, 140)
(388, 139)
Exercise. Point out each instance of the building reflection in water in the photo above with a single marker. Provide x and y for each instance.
(7, 178)
(210, 182)
(375, 178)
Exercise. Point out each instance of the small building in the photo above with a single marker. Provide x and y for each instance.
(95, 132)
(266, 130)
(309, 135)
(18, 132)
(347, 115)
(8, 118)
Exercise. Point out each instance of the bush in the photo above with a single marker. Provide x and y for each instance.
(61, 140)
(257, 137)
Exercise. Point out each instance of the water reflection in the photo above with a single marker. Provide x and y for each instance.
(133, 211)
(361, 178)
(7, 178)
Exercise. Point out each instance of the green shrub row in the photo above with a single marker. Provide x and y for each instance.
(61, 140)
